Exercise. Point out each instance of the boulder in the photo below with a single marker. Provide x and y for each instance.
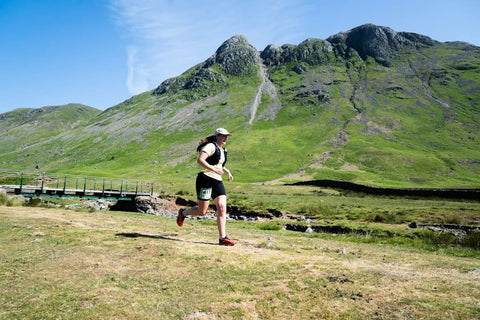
(155, 205)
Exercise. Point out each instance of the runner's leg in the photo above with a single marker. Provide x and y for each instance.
(199, 210)
(221, 204)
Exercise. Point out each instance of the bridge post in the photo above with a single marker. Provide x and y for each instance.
(43, 182)
(103, 188)
(21, 182)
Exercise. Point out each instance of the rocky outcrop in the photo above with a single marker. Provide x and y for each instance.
(202, 79)
(236, 56)
(418, 39)
(170, 85)
(377, 42)
(147, 204)
(155, 205)
(310, 51)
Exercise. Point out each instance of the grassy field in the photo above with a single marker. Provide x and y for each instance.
(65, 264)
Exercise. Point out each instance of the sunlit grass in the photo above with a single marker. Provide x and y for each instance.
(114, 265)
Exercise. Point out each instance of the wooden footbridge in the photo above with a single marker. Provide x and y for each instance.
(69, 186)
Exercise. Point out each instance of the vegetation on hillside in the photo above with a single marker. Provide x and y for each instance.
(403, 112)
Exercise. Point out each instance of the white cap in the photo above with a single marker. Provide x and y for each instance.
(222, 131)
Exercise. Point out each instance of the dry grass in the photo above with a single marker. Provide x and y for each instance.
(58, 264)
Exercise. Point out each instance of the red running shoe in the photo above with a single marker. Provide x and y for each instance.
(180, 217)
(226, 242)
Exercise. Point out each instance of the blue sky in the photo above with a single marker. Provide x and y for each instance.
(100, 52)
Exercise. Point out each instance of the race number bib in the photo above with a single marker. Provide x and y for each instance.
(205, 193)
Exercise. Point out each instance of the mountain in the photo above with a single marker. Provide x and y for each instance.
(24, 132)
(369, 105)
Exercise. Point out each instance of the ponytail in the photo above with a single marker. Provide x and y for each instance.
(205, 141)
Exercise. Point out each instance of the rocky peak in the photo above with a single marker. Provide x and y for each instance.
(236, 55)
(234, 43)
(377, 42)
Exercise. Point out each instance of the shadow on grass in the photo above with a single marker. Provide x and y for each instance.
(161, 237)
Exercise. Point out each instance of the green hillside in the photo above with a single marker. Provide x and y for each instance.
(370, 105)
(26, 134)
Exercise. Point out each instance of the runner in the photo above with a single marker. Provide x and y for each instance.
(209, 184)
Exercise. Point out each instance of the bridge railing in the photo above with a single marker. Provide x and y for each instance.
(63, 182)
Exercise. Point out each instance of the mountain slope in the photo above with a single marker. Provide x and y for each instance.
(25, 132)
(369, 105)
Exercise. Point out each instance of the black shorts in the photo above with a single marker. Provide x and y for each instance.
(208, 187)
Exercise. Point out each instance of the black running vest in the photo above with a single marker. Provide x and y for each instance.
(215, 157)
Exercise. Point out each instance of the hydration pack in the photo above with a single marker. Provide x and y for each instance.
(215, 157)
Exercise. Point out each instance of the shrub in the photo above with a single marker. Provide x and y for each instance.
(34, 202)
(184, 193)
(472, 240)
(380, 217)
(8, 201)
(273, 226)
(316, 211)
(3, 198)
(14, 202)
(454, 219)
(440, 239)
